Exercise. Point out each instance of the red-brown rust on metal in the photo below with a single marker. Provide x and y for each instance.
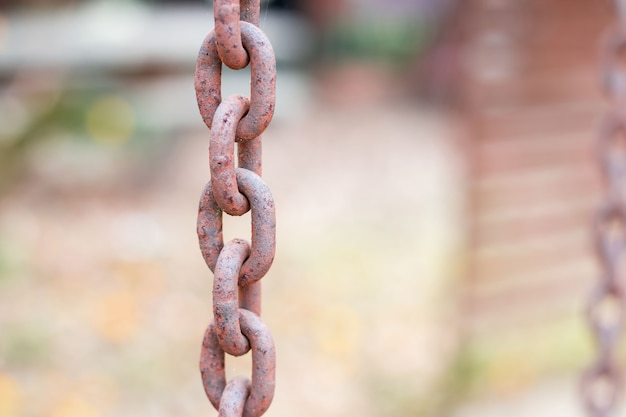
(209, 227)
(263, 241)
(251, 11)
(212, 363)
(234, 397)
(263, 364)
(221, 155)
(238, 265)
(249, 155)
(263, 81)
(228, 34)
(226, 297)
(208, 79)
(250, 297)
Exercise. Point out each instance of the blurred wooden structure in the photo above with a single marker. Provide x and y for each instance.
(532, 97)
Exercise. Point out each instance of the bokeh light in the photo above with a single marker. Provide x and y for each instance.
(110, 120)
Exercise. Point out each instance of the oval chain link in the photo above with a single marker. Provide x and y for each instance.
(602, 382)
(238, 266)
(208, 81)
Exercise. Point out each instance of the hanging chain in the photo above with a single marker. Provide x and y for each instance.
(237, 266)
(602, 381)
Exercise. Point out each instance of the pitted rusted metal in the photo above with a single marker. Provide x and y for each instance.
(212, 360)
(263, 364)
(249, 154)
(210, 236)
(250, 297)
(263, 238)
(212, 363)
(209, 227)
(208, 79)
(228, 14)
(251, 11)
(228, 34)
(234, 397)
(601, 384)
(226, 297)
(263, 81)
(222, 154)
(238, 266)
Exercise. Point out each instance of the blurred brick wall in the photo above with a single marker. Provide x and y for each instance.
(532, 101)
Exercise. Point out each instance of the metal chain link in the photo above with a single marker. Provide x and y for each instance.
(602, 381)
(238, 266)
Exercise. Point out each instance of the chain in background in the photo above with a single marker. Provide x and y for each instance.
(238, 265)
(602, 381)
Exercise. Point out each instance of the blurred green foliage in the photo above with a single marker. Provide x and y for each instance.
(393, 40)
(95, 116)
(25, 344)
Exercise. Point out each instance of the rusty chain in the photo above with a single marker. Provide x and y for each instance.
(238, 266)
(602, 381)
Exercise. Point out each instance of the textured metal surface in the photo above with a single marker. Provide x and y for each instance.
(212, 362)
(234, 397)
(208, 79)
(251, 11)
(228, 34)
(602, 381)
(222, 155)
(263, 227)
(226, 297)
(238, 266)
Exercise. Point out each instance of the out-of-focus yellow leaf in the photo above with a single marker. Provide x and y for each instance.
(100, 389)
(511, 373)
(116, 316)
(10, 395)
(336, 330)
(144, 277)
(74, 406)
(110, 120)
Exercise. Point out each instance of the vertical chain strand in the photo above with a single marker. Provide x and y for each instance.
(602, 382)
(238, 265)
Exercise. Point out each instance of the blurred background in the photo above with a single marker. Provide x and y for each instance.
(432, 169)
